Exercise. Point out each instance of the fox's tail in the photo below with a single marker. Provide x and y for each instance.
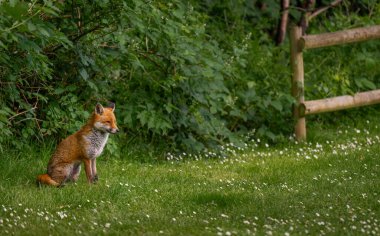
(46, 179)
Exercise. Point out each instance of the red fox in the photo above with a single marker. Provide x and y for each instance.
(83, 146)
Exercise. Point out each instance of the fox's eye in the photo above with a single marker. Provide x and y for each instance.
(108, 122)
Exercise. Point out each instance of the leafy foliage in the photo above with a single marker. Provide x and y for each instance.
(190, 74)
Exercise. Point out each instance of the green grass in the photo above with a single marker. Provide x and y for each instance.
(328, 186)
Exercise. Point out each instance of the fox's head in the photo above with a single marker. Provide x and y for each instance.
(104, 118)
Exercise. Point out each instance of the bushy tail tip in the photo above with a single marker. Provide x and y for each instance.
(45, 179)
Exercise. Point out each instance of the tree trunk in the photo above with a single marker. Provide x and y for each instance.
(281, 31)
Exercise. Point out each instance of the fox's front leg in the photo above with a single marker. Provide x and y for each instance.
(88, 170)
(94, 173)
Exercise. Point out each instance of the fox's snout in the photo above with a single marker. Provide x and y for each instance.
(113, 131)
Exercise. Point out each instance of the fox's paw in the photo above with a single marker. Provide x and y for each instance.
(95, 179)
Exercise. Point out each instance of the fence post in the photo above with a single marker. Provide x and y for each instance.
(296, 61)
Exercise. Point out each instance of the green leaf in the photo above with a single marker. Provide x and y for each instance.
(44, 32)
(59, 91)
(251, 84)
(31, 26)
(12, 3)
(207, 72)
(277, 105)
(213, 110)
(83, 73)
(51, 11)
(368, 84)
(364, 83)
(143, 117)
(3, 119)
(3, 45)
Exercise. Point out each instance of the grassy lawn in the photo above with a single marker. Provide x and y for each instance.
(330, 185)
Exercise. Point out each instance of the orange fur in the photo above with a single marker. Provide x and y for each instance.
(83, 146)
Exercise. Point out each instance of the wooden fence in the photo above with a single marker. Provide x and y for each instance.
(298, 43)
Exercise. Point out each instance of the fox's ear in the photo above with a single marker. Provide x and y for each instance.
(111, 105)
(99, 109)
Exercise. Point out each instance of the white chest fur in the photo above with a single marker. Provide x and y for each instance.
(96, 140)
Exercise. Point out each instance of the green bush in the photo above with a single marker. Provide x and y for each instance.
(26, 70)
(187, 74)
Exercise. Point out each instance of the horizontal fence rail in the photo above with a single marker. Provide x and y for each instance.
(339, 103)
(340, 37)
(302, 108)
